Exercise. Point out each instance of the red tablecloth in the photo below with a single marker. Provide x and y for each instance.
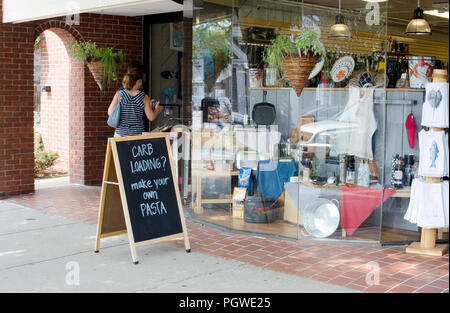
(357, 203)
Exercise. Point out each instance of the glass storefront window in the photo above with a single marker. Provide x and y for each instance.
(298, 132)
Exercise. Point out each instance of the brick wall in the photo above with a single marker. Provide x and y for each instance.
(59, 71)
(124, 33)
(16, 108)
(87, 126)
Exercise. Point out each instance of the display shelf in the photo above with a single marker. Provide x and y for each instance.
(387, 89)
(334, 88)
(402, 193)
(270, 88)
(399, 193)
(400, 54)
(419, 248)
(427, 244)
(219, 172)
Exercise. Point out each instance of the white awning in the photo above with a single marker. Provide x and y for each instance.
(17, 11)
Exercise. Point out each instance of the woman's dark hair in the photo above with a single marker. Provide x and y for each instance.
(131, 77)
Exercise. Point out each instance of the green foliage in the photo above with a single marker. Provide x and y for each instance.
(305, 43)
(213, 38)
(212, 41)
(42, 159)
(89, 52)
(281, 46)
(85, 51)
(110, 61)
(308, 43)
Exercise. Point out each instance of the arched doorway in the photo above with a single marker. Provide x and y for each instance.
(59, 93)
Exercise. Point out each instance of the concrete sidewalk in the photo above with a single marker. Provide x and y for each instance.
(40, 252)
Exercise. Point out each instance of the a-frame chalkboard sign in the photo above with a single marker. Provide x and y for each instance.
(140, 194)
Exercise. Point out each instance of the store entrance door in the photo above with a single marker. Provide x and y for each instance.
(163, 59)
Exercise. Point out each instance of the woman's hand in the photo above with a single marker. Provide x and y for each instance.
(151, 111)
(158, 108)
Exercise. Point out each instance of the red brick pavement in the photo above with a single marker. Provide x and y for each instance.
(343, 264)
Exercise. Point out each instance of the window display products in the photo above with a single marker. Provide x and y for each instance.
(429, 205)
(342, 129)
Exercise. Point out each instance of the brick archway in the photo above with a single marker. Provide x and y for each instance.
(89, 119)
(58, 24)
(62, 107)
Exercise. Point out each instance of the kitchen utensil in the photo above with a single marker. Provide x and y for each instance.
(321, 217)
(255, 76)
(270, 76)
(258, 210)
(263, 113)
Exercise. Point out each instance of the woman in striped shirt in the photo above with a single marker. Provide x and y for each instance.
(134, 103)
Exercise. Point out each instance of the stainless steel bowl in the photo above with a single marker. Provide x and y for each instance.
(321, 217)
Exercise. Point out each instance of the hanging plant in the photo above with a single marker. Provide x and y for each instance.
(295, 56)
(212, 42)
(103, 62)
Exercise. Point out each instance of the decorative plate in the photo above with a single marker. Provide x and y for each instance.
(342, 68)
(317, 68)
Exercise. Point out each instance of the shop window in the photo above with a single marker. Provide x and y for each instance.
(314, 153)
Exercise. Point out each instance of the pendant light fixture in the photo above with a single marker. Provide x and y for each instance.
(340, 29)
(418, 25)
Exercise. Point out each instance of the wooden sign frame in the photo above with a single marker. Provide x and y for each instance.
(113, 217)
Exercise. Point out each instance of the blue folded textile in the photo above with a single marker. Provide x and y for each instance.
(272, 175)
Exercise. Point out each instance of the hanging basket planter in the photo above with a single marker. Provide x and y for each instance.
(296, 56)
(103, 62)
(97, 71)
(297, 70)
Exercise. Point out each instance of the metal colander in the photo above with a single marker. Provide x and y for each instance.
(321, 217)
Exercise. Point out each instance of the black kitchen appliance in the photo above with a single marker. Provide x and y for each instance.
(264, 113)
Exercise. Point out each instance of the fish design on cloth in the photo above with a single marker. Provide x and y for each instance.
(434, 97)
(434, 152)
(435, 110)
(357, 203)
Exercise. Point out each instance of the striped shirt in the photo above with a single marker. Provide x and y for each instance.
(131, 114)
